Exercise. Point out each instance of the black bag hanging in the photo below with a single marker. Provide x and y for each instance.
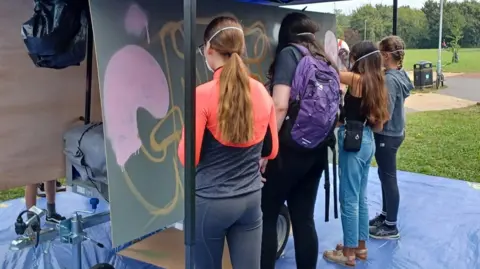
(352, 140)
(55, 36)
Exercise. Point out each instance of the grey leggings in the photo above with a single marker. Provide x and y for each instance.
(386, 157)
(237, 219)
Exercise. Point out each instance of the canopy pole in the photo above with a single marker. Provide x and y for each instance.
(88, 76)
(395, 17)
(440, 33)
(189, 18)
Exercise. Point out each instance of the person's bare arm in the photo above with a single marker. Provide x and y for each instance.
(281, 96)
(350, 79)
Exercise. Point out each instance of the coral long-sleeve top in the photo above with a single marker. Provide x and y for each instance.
(224, 169)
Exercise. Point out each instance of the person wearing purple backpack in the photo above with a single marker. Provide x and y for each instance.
(306, 92)
(364, 111)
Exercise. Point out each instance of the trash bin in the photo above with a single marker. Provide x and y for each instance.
(423, 75)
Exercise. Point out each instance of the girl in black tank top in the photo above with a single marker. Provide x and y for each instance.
(365, 106)
(352, 108)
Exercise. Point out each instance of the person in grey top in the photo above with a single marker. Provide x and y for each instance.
(389, 140)
(235, 130)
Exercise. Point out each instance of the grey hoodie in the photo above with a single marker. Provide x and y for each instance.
(399, 86)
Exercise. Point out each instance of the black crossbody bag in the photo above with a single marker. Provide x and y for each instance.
(352, 138)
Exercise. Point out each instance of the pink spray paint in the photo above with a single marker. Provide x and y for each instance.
(133, 79)
(136, 22)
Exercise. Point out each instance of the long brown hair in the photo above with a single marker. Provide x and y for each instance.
(372, 81)
(235, 110)
(394, 46)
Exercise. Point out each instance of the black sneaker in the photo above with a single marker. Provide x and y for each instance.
(54, 218)
(60, 187)
(41, 189)
(384, 231)
(377, 221)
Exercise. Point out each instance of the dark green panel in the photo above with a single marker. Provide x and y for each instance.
(136, 98)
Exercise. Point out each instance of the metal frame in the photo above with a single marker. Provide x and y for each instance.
(190, 82)
(72, 230)
(189, 18)
(97, 188)
(88, 75)
(440, 77)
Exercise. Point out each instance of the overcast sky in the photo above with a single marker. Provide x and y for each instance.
(349, 6)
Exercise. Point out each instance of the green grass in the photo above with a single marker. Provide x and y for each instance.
(10, 194)
(14, 193)
(468, 60)
(443, 143)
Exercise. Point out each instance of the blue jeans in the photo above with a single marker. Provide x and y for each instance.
(353, 174)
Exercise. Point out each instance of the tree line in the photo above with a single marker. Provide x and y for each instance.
(418, 27)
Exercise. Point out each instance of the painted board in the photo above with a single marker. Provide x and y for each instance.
(166, 250)
(37, 106)
(141, 67)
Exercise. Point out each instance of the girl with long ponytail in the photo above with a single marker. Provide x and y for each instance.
(235, 129)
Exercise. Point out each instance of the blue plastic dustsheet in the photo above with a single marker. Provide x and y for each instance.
(439, 222)
(56, 255)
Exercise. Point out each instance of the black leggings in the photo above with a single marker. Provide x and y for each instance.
(386, 157)
(292, 177)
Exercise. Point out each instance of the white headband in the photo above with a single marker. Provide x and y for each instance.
(306, 33)
(225, 28)
(368, 54)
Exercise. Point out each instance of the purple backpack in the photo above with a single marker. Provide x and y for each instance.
(314, 102)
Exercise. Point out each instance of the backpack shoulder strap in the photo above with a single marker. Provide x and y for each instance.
(303, 51)
(297, 50)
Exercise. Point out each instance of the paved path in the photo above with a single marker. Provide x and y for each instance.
(435, 101)
(462, 87)
(410, 110)
(462, 90)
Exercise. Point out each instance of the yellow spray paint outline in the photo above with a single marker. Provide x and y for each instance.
(169, 29)
(160, 147)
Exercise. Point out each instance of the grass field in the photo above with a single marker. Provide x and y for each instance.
(443, 143)
(11, 194)
(468, 60)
